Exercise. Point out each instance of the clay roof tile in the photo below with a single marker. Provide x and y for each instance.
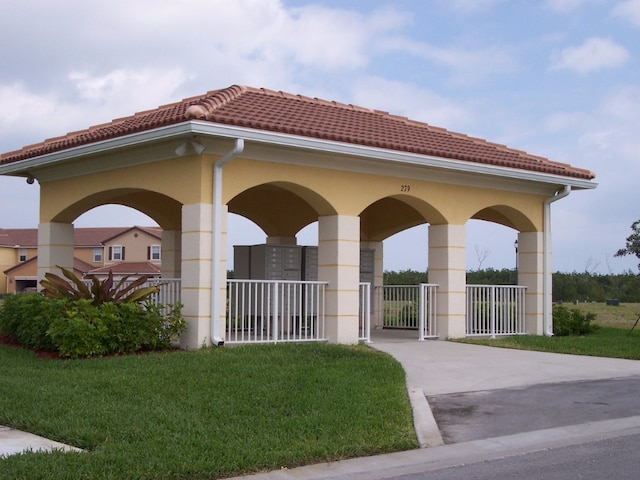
(277, 111)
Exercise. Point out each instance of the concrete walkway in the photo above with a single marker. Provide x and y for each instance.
(435, 368)
(14, 441)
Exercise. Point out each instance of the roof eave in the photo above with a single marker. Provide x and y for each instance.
(23, 167)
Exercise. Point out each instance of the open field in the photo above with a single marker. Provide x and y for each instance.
(621, 316)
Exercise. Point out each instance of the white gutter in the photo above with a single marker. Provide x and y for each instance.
(547, 314)
(295, 141)
(216, 242)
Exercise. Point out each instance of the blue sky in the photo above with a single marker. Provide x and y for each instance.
(557, 78)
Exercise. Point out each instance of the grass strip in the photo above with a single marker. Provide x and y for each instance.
(210, 413)
(605, 342)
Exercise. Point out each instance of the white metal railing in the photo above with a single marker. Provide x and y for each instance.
(428, 311)
(364, 331)
(495, 310)
(168, 290)
(270, 311)
(408, 307)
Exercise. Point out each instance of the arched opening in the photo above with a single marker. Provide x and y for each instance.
(114, 216)
(407, 250)
(163, 210)
(490, 246)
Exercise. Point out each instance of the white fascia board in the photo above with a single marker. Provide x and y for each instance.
(140, 138)
(205, 128)
(274, 138)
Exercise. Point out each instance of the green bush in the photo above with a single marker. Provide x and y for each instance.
(78, 328)
(26, 319)
(80, 332)
(572, 322)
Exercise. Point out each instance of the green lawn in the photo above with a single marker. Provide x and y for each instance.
(211, 413)
(605, 342)
(614, 338)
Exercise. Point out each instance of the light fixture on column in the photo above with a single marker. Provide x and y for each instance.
(191, 146)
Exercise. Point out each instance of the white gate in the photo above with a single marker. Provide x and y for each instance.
(410, 307)
(495, 310)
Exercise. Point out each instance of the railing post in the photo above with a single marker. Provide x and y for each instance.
(494, 306)
(365, 312)
(422, 313)
(275, 313)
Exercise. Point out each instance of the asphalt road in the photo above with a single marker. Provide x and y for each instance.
(462, 417)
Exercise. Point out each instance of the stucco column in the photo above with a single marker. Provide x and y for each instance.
(447, 268)
(531, 275)
(171, 253)
(197, 222)
(378, 282)
(339, 265)
(273, 240)
(55, 247)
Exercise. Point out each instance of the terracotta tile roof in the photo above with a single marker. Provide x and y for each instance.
(22, 237)
(285, 113)
(153, 231)
(79, 266)
(127, 268)
(82, 236)
(95, 236)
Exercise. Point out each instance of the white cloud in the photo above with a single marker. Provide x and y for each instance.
(564, 5)
(32, 116)
(410, 100)
(468, 65)
(628, 10)
(594, 54)
(123, 92)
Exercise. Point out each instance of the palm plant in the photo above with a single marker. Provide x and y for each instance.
(100, 292)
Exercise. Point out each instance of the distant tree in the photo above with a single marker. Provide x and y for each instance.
(482, 254)
(633, 243)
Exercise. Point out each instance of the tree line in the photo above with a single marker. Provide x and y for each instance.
(567, 287)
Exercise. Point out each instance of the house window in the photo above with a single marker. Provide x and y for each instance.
(22, 255)
(153, 252)
(97, 255)
(116, 253)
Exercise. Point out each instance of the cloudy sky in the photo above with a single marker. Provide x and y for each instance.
(557, 78)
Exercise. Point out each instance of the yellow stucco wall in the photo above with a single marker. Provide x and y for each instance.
(158, 189)
(347, 193)
(8, 259)
(135, 243)
(269, 194)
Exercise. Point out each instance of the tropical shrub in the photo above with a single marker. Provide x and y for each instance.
(572, 322)
(103, 291)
